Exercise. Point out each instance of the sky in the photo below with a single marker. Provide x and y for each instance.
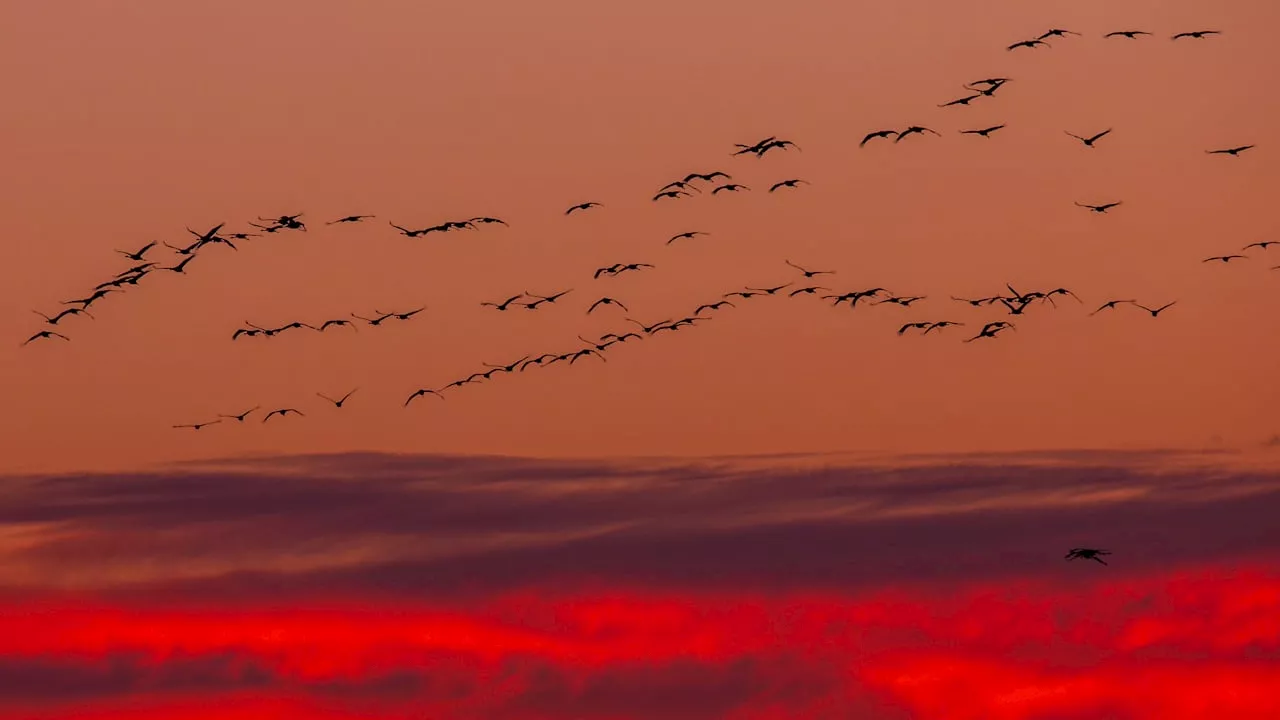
(788, 510)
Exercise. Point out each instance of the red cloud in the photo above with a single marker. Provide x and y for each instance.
(1178, 645)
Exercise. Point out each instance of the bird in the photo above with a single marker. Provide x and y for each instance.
(137, 255)
(686, 235)
(95, 296)
(809, 290)
(1056, 32)
(903, 301)
(1109, 305)
(1197, 34)
(962, 101)
(45, 334)
(1223, 258)
(809, 273)
(769, 291)
(877, 134)
(281, 412)
(707, 177)
(684, 185)
(671, 194)
(349, 219)
(374, 321)
(647, 329)
(977, 302)
(69, 311)
(630, 266)
(241, 416)
(1062, 291)
(1037, 42)
(583, 206)
(337, 403)
(249, 332)
(180, 267)
(713, 306)
(197, 426)
(504, 304)
(984, 132)
(545, 298)
(1089, 141)
(1130, 34)
(1261, 245)
(398, 316)
(991, 329)
(407, 232)
(1087, 554)
(915, 130)
(940, 325)
(1156, 312)
(420, 392)
(1233, 152)
(1099, 208)
(188, 250)
(330, 323)
(788, 184)
(729, 187)
(914, 325)
(487, 221)
(606, 301)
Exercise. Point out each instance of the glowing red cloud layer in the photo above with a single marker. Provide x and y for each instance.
(1188, 645)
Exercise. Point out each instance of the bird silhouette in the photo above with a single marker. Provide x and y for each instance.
(809, 273)
(877, 134)
(281, 412)
(582, 206)
(1224, 258)
(606, 301)
(1089, 141)
(794, 182)
(349, 219)
(504, 304)
(1056, 32)
(686, 235)
(991, 329)
(962, 101)
(180, 267)
(420, 392)
(1130, 34)
(137, 255)
(1109, 305)
(1156, 312)
(1087, 554)
(1197, 34)
(1099, 208)
(1032, 44)
(1261, 245)
(65, 313)
(671, 194)
(337, 403)
(197, 426)
(1233, 152)
(984, 132)
(331, 323)
(730, 187)
(241, 416)
(915, 130)
(45, 334)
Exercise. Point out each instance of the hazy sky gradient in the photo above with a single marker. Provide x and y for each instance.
(129, 122)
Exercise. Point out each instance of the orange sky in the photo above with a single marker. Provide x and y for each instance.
(126, 124)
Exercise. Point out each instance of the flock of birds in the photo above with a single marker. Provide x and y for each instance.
(1014, 303)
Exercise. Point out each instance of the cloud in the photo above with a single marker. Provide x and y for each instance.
(409, 525)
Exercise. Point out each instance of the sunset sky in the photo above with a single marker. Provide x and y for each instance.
(788, 510)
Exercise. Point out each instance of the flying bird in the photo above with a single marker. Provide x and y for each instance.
(1224, 258)
(809, 290)
(180, 267)
(729, 187)
(940, 325)
(984, 132)
(606, 301)
(349, 219)
(487, 221)
(1109, 305)
(241, 416)
(545, 298)
(137, 255)
(337, 403)
(197, 426)
(809, 273)
(504, 304)
(45, 334)
(69, 311)
(1261, 245)
(707, 177)
(713, 306)
(914, 326)
(1197, 34)
(1089, 141)
(1099, 208)
(671, 194)
(915, 130)
(991, 329)
(330, 323)
(1087, 554)
(686, 235)
(1233, 152)
(1130, 34)
(788, 184)
(1028, 44)
(409, 233)
(583, 206)
(1156, 312)
(281, 412)
(962, 101)
(1056, 32)
(420, 392)
(684, 185)
(877, 134)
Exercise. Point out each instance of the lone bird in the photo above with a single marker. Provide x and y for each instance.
(504, 304)
(1261, 245)
(606, 301)
(421, 392)
(197, 426)
(1109, 305)
(583, 206)
(1089, 141)
(915, 130)
(1037, 42)
(809, 273)
(1233, 152)
(137, 255)
(730, 187)
(45, 334)
(686, 235)
(1197, 34)
(991, 329)
(962, 101)
(281, 412)
(1087, 554)
(1156, 312)
(1223, 258)
(877, 134)
(1056, 32)
(671, 194)
(1130, 34)
(1099, 208)
(349, 219)
(241, 416)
